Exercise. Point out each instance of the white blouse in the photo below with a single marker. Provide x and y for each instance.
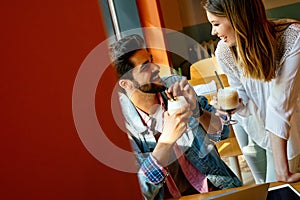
(270, 106)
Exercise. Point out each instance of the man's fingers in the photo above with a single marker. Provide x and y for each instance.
(183, 83)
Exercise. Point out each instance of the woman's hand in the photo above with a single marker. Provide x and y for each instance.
(175, 125)
(220, 112)
(279, 149)
(291, 178)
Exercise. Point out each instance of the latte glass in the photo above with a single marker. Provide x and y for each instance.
(177, 103)
(228, 101)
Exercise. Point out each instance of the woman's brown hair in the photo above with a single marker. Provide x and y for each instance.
(256, 44)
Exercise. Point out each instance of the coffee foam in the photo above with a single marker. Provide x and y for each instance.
(176, 104)
(228, 98)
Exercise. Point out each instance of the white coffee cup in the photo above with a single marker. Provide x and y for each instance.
(174, 105)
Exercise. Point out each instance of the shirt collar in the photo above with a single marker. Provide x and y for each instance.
(146, 118)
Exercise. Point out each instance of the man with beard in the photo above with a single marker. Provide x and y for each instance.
(174, 155)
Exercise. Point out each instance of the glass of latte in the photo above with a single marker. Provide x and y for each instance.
(228, 101)
(175, 104)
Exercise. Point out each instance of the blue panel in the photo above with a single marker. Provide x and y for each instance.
(127, 15)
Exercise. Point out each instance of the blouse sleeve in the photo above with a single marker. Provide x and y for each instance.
(284, 92)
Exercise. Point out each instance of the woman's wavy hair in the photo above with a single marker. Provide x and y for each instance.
(256, 44)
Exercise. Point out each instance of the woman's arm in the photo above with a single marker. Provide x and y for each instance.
(279, 147)
(281, 108)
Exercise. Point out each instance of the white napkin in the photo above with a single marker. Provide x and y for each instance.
(208, 88)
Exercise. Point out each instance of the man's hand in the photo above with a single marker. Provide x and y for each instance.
(175, 125)
(182, 88)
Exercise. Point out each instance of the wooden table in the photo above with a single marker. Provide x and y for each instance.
(209, 194)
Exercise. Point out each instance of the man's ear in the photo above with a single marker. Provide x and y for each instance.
(126, 84)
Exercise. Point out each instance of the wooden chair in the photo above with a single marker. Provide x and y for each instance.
(202, 72)
(229, 148)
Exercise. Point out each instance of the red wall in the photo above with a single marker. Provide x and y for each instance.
(43, 44)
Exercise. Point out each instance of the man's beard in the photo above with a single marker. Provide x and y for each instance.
(150, 87)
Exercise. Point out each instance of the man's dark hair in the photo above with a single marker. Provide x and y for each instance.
(122, 50)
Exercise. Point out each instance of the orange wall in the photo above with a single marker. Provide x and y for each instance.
(178, 14)
(150, 17)
(43, 44)
(171, 15)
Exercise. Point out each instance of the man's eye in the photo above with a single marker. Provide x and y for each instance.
(145, 66)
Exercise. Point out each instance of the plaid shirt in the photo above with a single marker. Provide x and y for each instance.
(151, 168)
(157, 173)
(154, 172)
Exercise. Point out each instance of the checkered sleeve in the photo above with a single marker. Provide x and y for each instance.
(154, 171)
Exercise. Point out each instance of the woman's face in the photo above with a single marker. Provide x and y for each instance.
(222, 27)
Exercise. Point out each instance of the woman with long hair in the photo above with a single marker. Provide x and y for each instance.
(261, 58)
